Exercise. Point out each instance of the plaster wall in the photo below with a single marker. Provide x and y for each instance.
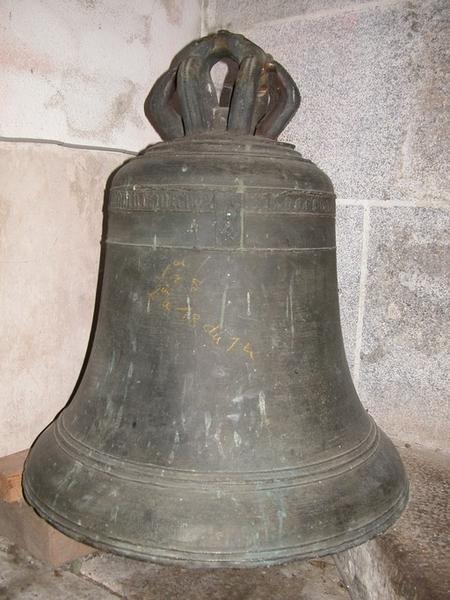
(76, 72)
(374, 76)
(79, 70)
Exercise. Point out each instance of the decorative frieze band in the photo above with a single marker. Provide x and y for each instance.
(161, 199)
(158, 199)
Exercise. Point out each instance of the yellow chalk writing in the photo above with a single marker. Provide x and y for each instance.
(170, 280)
(248, 350)
(153, 293)
(233, 343)
(195, 319)
(195, 285)
(166, 305)
(166, 271)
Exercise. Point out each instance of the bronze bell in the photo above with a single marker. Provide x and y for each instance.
(216, 422)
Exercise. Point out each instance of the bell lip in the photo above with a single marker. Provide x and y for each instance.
(239, 559)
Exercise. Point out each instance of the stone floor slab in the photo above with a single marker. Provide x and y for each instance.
(410, 561)
(314, 580)
(24, 578)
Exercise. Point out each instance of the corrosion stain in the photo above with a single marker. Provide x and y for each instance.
(88, 4)
(145, 34)
(17, 58)
(174, 11)
(117, 113)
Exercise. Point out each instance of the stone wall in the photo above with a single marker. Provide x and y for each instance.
(374, 116)
(75, 72)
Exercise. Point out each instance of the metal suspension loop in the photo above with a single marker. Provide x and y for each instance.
(159, 110)
(244, 98)
(196, 103)
(183, 101)
(288, 101)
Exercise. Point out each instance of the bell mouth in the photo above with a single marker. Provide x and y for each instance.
(240, 522)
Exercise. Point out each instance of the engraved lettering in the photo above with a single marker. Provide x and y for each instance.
(162, 200)
(295, 201)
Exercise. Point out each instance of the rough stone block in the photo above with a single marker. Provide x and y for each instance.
(423, 167)
(11, 468)
(22, 526)
(404, 359)
(349, 228)
(236, 14)
(373, 85)
(411, 559)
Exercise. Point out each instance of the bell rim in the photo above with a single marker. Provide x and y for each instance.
(239, 559)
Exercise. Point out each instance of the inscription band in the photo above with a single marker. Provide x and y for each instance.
(156, 199)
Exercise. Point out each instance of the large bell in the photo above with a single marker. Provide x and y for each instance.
(216, 422)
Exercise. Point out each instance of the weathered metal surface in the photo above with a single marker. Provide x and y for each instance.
(216, 422)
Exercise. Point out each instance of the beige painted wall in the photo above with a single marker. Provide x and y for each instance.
(51, 201)
(77, 72)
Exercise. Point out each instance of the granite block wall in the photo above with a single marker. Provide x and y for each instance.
(74, 73)
(374, 79)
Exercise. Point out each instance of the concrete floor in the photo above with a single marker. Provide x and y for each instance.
(105, 576)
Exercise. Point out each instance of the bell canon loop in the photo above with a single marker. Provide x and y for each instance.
(216, 422)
